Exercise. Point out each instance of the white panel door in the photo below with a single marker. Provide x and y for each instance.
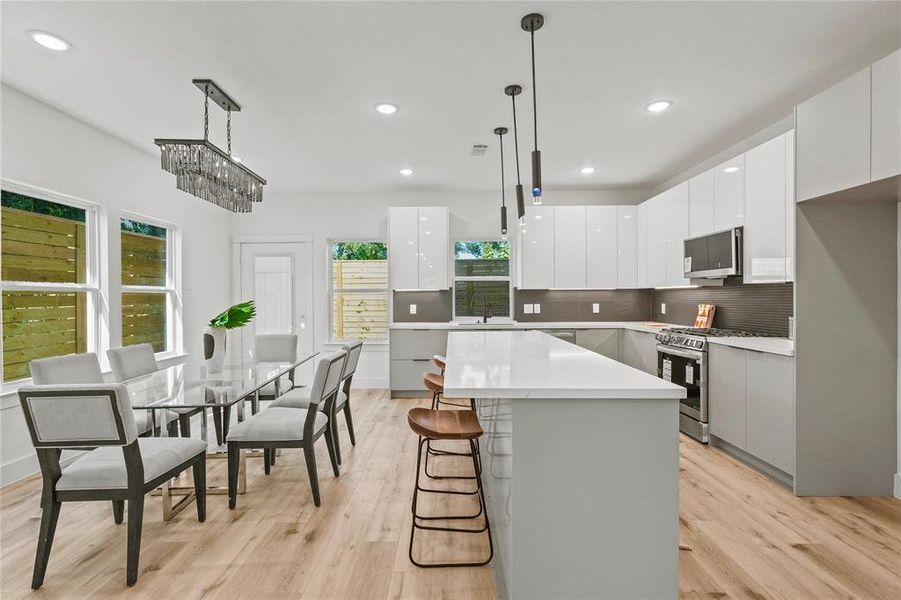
(700, 204)
(790, 205)
(657, 241)
(642, 244)
(433, 247)
(729, 194)
(403, 247)
(764, 235)
(886, 119)
(569, 246)
(278, 278)
(627, 246)
(537, 253)
(676, 232)
(602, 243)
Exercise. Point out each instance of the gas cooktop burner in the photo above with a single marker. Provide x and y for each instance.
(714, 332)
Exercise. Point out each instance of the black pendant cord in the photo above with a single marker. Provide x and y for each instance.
(534, 91)
(515, 139)
(500, 131)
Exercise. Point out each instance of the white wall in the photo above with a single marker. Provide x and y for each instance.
(327, 216)
(898, 468)
(46, 148)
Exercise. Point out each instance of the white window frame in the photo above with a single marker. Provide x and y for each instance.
(508, 278)
(91, 287)
(331, 290)
(172, 289)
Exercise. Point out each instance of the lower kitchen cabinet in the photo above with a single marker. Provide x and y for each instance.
(726, 394)
(411, 354)
(638, 350)
(603, 341)
(406, 374)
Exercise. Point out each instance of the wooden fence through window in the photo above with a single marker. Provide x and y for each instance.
(360, 314)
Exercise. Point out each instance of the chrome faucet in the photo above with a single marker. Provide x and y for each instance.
(486, 312)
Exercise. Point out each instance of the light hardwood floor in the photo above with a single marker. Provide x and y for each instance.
(750, 537)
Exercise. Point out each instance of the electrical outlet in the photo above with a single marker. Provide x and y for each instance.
(663, 308)
(537, 309)
(412, 309)
(596, 308)
(527, 309)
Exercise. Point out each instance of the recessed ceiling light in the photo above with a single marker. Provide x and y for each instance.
(50, 41)
(586, 170)
(658, 106)
(730, 169)
(386, 109)
(406, 172)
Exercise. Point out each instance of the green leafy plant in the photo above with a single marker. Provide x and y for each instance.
(238, 315)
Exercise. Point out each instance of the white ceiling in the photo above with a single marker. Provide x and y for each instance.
(309, 74)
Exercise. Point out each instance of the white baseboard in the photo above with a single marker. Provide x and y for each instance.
(17, 469)
(897, 485)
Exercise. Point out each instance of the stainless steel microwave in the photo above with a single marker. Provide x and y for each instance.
(714, 255)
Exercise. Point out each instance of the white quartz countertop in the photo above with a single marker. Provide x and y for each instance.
(531, 364)
(783, 346)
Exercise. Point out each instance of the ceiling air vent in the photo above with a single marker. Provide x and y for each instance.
(479, 149)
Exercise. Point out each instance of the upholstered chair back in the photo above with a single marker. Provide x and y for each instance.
(78, 416)
(275, 347)
(327, 377)
(72, 368)
(132, 361)
(353, 358)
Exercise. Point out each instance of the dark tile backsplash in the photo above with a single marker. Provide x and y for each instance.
(431, 306)
(575, 305)
(763, 308)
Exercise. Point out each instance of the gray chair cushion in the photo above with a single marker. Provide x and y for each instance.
(72, 368)
(275, 424)
(104, 468)
(300, 398)
(129, 362)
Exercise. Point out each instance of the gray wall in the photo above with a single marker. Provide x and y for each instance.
(431, 306)
(576, 305)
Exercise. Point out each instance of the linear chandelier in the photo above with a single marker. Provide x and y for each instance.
(499, 132)
(203, 169)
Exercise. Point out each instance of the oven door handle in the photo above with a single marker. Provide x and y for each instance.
(698, 356)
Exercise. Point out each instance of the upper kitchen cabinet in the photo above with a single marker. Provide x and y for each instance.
(656, 238)
(832, 132)
(642, 244)
(569, 252)
(676, 210)
(602, 234)
(886, 117)
(765, 239)
(627, 247)
(537, 248)
(790, 205)
(729, 194)
(700, 204)
(418, 247)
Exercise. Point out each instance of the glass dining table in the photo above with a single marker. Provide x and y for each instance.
(173, 389)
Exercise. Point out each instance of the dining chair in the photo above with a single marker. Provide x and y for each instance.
(121, 467)
(85, 368)
(129, 362)
(280, 427)
(274, 347)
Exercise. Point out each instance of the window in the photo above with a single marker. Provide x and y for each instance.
(148, 292)
(49, 279)
(359, 302)
(481, 275)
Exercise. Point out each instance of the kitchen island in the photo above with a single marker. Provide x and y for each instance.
(580, 463)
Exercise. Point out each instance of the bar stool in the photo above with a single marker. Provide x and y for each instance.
(432, 424)
(435, 383)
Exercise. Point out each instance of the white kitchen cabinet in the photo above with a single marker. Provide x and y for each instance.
(832, 132)
(885, 122)
(537, 248)
(656, 238)
(433, 247)
(729, 194)
(602, 341)
(638, 350)
(790, 205)
(765, 213)
(676, 232)
(569, 246)
(771, 409)
(627, 247)
(403, 247)
(411, 351)
(726, 395)
(642, 244)
(700, 204)
(602, 243)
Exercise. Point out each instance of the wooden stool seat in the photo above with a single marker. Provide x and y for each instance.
(434, 382)
(439, 361)
(444, 424)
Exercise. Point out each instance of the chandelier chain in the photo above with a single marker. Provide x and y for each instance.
(228, 130)
(206, 112)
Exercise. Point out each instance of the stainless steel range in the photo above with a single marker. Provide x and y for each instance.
(682, 359)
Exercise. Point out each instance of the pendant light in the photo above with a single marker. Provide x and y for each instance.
(499, 132)
(513, 91)
(532, 23)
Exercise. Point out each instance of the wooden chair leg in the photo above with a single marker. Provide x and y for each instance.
(350, 423)
(272, 457)
(184, 425)
(330, 445)
(310, 455)
(234, 454)
(49, 518)
(135, 524)
(217, 424)
(333, 427)
(118, 511)
(267, 460)
(199, 470)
